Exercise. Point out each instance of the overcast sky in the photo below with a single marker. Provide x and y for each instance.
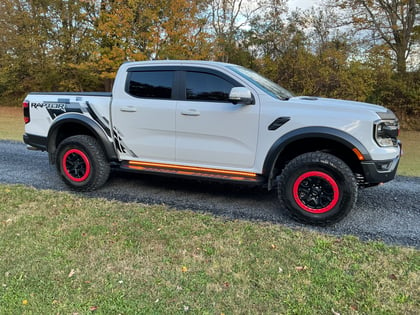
(302, 4)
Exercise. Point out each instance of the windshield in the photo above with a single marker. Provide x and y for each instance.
(268, 86)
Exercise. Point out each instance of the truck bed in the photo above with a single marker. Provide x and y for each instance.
(100, 94)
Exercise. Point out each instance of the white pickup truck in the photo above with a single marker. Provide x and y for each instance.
(220, 122)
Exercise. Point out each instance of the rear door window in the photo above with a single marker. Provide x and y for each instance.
(151, 84)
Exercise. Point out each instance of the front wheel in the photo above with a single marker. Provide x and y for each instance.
(317, 188)
(81, 163)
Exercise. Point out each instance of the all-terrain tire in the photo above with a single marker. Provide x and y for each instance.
(81, 163)
(317, 188)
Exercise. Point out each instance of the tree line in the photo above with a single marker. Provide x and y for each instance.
(365, 50)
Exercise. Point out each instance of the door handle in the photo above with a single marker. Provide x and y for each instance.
(128, 109)
(190, 112)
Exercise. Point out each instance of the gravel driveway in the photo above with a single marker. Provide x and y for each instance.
(389, 212)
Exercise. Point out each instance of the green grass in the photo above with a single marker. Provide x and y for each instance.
(11, 123)
(410, 161)
(65, 254)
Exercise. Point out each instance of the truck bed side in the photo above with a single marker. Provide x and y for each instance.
(45, 108)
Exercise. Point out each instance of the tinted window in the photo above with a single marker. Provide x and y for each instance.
(268, 86)
(151, 84)
(207, 87)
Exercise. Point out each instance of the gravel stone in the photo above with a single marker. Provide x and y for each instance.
(389, 212)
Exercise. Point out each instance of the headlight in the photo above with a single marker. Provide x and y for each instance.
(386, 132)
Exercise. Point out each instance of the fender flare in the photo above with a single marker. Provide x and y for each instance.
(337, 135)
(88, 123)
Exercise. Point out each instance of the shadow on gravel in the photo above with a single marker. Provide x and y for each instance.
(221, 199)
(375, 217)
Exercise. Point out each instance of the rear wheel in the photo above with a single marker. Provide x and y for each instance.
(317, 188)
(81, 163)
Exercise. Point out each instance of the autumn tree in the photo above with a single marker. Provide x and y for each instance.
(227, 21)
(72, 42)
(281, 47)
(179, 32)
(43, 42)
(145, 30)
(391, 22)
(268, 32)
(24, 48)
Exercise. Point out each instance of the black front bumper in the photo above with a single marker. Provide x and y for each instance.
(376, 172)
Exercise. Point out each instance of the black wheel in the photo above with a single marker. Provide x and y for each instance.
(81, 163)
(317, 188)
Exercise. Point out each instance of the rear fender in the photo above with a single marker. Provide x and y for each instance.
(75, 122)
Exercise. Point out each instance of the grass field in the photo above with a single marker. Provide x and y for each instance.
(65, 254)
(12, 126)
(11, 123)
(410, 161)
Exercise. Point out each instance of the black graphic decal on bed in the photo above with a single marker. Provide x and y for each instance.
(59, 107)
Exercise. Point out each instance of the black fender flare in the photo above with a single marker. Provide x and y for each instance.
(337, 135)
(88, 123)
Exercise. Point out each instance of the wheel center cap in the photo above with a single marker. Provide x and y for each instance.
(316, 190)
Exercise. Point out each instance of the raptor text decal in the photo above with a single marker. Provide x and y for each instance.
(54, 106)
(59, 107)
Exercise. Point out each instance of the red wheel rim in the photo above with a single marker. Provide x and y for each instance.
(316, 192)
(76, 165)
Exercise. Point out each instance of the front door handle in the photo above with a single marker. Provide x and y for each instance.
(190, 112)
(128, 109)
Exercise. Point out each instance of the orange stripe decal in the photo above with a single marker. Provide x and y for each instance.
(190, 168)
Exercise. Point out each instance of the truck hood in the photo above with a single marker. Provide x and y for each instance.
(336, 104)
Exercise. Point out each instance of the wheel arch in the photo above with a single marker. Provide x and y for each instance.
(310, 139)
(71, 124)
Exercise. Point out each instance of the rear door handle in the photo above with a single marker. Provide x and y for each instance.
(128, 109)
(190, 112)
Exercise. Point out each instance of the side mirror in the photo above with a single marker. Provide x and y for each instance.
(241, 95)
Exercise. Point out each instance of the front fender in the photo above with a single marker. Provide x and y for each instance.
(332, 134)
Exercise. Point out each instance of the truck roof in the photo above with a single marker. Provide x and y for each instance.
(175, 63)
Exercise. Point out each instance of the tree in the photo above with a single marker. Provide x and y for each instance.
(228, 20)
(71, 39)
(23, 48)
(268, 30)
(390, 21)
(179, 32)
(145, 30)
(42, 43)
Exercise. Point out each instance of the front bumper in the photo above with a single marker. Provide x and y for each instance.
(376, 172)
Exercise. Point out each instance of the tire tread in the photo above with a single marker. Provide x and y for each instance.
(100, 164)
(324, 159)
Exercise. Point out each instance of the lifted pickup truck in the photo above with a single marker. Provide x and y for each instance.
(220, 122)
